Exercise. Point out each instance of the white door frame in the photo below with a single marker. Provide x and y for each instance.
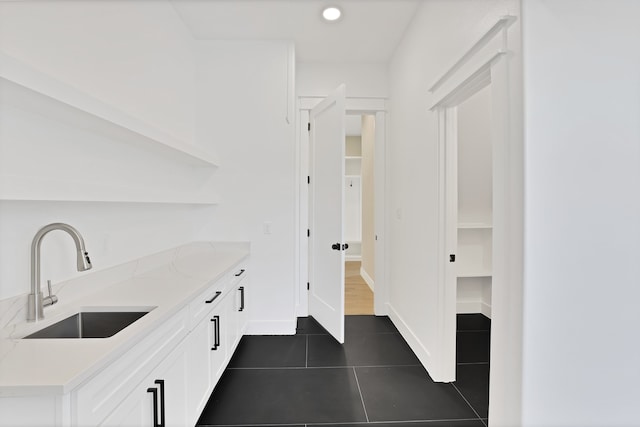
(373, 106)
(488, 61)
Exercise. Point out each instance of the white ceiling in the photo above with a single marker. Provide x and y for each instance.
(368, 31)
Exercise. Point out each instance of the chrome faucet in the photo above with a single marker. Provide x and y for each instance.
(36, 302)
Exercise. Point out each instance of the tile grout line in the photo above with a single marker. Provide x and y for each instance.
(387, 422)
(344, 423)
(249, 368)
(361, 397)
(470, 406)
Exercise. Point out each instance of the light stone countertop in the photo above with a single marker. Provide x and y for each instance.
(56, 366)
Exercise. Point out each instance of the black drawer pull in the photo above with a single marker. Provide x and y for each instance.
(240, 273)
(162, 419)
(209, 301)
(154, 392)
(241, 289)
(216, 332)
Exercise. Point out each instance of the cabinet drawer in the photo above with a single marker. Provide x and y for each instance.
(199, 307)
(95, 400)
(238, 273)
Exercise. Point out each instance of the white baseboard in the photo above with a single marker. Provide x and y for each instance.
(486, 310)
(271, 327)
(473, 307)
(368, 280)
(415, 344)
(353, 257)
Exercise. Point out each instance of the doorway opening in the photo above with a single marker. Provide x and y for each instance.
(359, 219)
(473, 195)
(374, 109)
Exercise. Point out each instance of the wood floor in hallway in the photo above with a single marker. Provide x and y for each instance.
(358, 296)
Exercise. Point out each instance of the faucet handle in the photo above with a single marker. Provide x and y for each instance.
(51, 299)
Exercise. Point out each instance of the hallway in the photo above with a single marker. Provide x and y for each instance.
(358, 297)
(309, 379)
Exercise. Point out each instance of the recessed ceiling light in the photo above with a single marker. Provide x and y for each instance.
(331, 13)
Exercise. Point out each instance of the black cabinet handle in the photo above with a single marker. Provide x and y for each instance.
(240, 273)
(209, 301)
(216, 332)
(241, 289)
(154, 392)
(335, 246)
(161, 384)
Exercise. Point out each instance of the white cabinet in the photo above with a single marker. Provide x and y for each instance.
(160, 400)
(94, 401)
(212, 342)
(163, 380)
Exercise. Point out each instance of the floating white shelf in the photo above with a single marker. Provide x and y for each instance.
(107, 118)
(40, 189)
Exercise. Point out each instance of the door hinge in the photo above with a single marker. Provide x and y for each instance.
(309, 127)
(308, 233)
(308, 285)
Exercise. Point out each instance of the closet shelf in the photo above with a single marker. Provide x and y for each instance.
(474, 225)
(474, 274)
(109, 119)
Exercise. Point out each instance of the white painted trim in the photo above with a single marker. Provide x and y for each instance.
(375, 106)
(271, 327)
(381, 219)
(487, 38)
(367, 279)
(353, 257)
(469, 86)
(460, 82)
(291, 82)
(353, 105)
(302, 214)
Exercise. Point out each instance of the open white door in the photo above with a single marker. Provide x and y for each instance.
(326, 193)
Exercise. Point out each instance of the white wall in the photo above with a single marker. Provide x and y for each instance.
(582, 132)
(362, 80)
(243, 102)
(136, 57)
(440, 33)
(474, 159)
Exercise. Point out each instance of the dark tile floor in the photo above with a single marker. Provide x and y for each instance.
(373, 379)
